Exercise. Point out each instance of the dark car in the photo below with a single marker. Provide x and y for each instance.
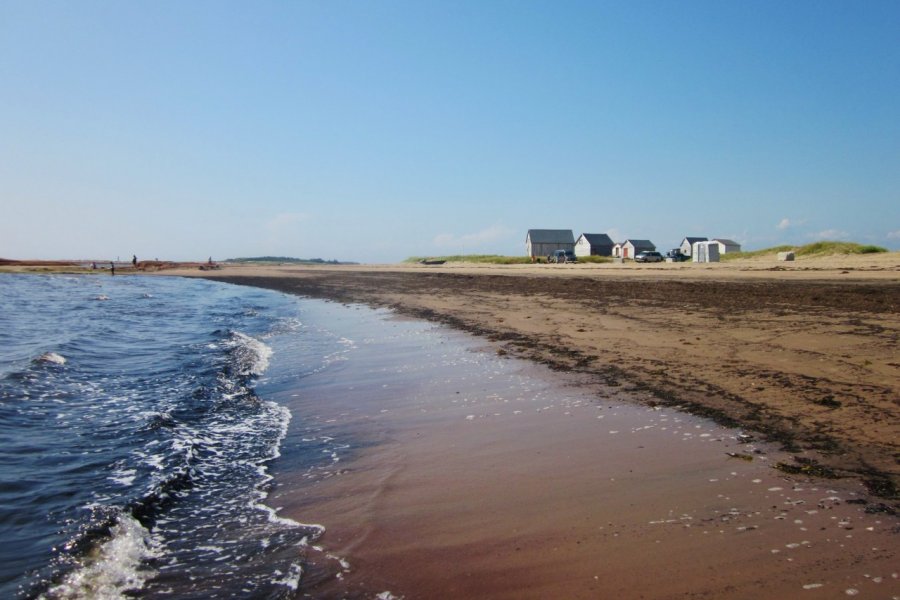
(562, 256)
(676, 255)
(648, 256)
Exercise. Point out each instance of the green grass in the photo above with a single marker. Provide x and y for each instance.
(756, 253)
(595, 259)
(837, 248)
(814, 249)
(495, 259)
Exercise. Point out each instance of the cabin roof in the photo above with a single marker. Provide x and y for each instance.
(550, 236)
(597, 239)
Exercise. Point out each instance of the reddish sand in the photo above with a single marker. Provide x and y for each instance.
(571, 490)
(558, 503)
(513, 497)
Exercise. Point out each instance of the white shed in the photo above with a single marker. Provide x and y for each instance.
(705, 252)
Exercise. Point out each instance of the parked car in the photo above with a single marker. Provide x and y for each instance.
(648, 256)
(562, 256)
(676, 255)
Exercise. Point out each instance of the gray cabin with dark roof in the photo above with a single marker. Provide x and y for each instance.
(687, 244)
(593, 244)
(726, 246)
(543, 242)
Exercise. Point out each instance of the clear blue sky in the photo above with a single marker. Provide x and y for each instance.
(373, 131)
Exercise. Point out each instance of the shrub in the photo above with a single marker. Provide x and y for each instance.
(595, 259)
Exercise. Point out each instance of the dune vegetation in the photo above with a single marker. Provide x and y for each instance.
(808, 250)
(495, 259)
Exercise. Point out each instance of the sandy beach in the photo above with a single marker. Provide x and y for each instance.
(804, 353)
(797, 360)
(685, 431)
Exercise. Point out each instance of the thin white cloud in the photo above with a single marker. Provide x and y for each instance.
(783, 224)
(894, 235)
(472, 240)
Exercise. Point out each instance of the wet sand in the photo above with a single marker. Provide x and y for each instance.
(806, 355)
(480, 476)
(552, 503)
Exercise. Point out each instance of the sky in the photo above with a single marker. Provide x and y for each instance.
(373, 131)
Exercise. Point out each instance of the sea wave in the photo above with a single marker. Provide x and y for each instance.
(113, 567)
(51, 357)
(251, 356)
(139, 441)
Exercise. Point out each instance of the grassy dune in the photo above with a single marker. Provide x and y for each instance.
(814, 249)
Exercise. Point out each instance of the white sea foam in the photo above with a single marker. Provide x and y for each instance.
(291, 579)
(341, 561)
(114, 568)
(258, 501)
(51, 357)
(253, 355)
(283, 326)
(124, 477)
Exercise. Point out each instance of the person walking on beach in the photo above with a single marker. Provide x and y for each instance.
(134, 260)
(112, 268)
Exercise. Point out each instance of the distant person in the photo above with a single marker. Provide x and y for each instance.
(134, 260)
(210, 260)
(93, 266)
(112, 268)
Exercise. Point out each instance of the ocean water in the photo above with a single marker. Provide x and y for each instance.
(135, 444)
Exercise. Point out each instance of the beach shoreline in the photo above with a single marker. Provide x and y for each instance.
(802, 352)
(805, 355)
(469, 473)
(557, 460)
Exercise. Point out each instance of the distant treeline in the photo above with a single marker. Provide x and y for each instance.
(288, 259)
